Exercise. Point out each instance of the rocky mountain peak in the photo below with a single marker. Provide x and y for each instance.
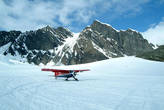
(64, 32)
(97, 22)
(102, 27)
(47, 28)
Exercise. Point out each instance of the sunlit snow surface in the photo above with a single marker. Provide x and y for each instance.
(127, 83)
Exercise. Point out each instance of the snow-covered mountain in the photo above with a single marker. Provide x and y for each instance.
(99, 41)
(136, 84)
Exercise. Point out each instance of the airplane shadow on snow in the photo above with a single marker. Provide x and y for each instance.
(70, 80)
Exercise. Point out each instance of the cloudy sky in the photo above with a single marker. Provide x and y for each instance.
(146, 16)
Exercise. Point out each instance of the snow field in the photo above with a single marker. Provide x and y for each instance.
(126, 83)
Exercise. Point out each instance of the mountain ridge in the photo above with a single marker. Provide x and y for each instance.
(155, 55)
(96, 42)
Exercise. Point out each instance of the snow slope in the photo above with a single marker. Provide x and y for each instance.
(126, 83)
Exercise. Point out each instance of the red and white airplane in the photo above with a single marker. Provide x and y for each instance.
(65, 73)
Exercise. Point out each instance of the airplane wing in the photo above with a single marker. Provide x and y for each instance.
(58, 72)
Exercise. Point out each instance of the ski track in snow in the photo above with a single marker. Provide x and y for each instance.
(116, 84)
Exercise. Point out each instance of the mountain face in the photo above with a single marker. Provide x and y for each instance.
(96, 42)
(156, 55)
(6, 37)
(100, 41)
(38, 46)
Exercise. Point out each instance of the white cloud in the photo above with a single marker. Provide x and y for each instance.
(155, 34)
(27, 15)
(32, 14)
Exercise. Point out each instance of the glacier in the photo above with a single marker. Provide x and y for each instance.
(126, 83)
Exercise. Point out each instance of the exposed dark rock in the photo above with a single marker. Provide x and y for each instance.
(156, 55)
(133, 42)
(129, 42)
(99, 42)
(6, 37)
(35, 45)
